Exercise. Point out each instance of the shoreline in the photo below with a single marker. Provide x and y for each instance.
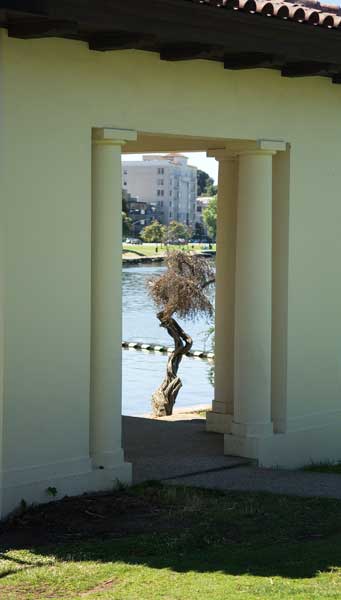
(181, 411)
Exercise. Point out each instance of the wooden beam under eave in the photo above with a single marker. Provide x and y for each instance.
(179, 52)
(248, 60)
(108, 41)
(28, 7)
(305, 69)
(35, 29)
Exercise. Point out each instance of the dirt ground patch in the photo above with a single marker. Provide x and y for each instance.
(114, 514)
(22, 592)
(102, 587)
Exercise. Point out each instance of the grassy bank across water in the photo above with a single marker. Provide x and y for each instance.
(324, 468)
(158, 249)
(155, 542)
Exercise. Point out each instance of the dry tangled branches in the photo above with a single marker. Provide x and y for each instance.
(184, 287)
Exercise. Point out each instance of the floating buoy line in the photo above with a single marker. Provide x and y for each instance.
(166, 349)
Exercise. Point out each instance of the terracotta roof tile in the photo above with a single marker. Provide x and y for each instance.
(310, 12)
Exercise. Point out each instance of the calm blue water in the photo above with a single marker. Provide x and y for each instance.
(143, 371)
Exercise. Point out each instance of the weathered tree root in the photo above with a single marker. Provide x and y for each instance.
(164, 397)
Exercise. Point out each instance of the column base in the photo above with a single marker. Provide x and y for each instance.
(218, 422)
(70, 478)
(290, 450)
(251, 430)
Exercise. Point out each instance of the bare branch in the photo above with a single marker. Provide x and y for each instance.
(182, 289)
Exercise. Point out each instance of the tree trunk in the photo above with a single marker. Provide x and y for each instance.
(164, 398)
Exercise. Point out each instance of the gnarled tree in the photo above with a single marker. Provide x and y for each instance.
(183, 289)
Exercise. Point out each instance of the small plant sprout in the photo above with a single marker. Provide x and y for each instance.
(119, 486)
(52, 491)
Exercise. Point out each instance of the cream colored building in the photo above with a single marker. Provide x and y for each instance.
(79, 84)
(165, 181)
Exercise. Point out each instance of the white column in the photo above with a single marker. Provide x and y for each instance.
(2, 352)
(106, 295)
(252, 381)
(220, 418)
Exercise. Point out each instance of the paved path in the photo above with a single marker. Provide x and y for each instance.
(251, 478)
(179, 450)
(172, 447)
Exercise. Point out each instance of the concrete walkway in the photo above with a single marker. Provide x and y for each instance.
(173, 447)
(253, 479)
(178, 450)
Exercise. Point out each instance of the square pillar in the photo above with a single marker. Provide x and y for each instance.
(2, 352)
(252, 420)
(60, 355)
(106, 300)
(220, 418)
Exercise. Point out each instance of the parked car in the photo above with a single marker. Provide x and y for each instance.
(134, 241)
(178, 242)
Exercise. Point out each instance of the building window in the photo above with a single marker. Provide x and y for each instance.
(125, 172)
(125, 183)
(170, 193)
(160, 171)
(160, 182)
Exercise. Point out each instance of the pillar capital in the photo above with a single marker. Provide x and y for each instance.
(264, 148)
(108, 136)
(272, 145)
(221, 154)
(256, 152)
(235, 148)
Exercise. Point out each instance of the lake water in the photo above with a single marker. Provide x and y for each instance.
(143, 371)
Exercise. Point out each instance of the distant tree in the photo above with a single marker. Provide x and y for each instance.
(153, 232)
(124, 202)
(126, 225)
(203, 180)
(206, 185)
(210, 217)
(199, 231)
(182, 289)
(175, 231)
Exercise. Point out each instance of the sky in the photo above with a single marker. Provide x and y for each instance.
(198, 159)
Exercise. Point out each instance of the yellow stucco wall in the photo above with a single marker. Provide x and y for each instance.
(53, 92)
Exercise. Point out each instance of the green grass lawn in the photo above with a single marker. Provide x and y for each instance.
(150, 249)
(144, 249)
(167, 543)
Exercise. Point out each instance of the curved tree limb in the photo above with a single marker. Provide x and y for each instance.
(164, 397)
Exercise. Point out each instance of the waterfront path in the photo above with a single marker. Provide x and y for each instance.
(172, 447)
(178, 450)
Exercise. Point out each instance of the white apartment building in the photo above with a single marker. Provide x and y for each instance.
(166, 181)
